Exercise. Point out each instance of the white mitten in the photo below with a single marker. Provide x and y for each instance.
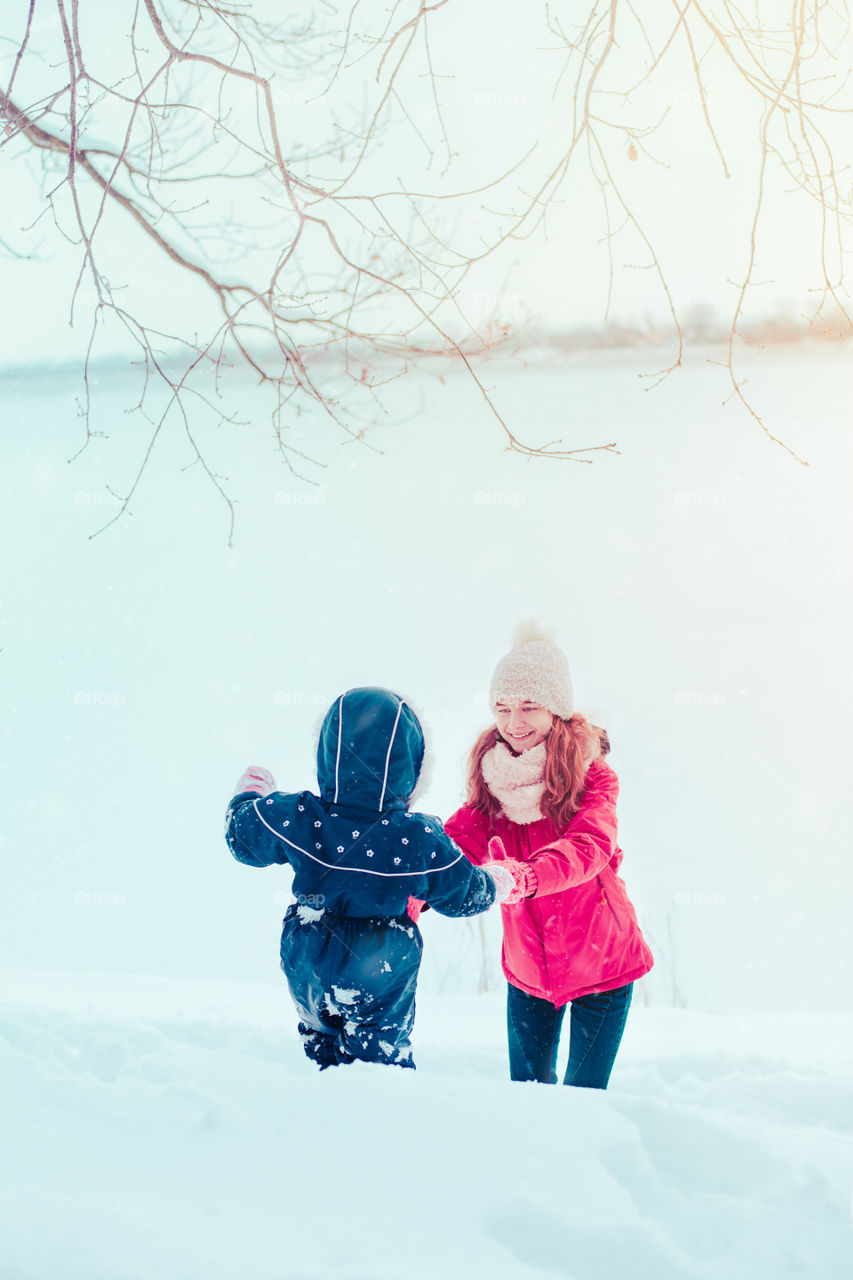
(503, 878)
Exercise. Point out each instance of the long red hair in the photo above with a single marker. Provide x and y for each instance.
(569, 747)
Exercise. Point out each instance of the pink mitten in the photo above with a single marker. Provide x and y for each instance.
(524, 880)
(256, 779)
(497, 850)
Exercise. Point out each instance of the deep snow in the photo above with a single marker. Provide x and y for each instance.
(155, 1128)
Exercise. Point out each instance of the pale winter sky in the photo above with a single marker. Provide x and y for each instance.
(501, 99)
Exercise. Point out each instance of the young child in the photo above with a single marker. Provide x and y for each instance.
(363, 867)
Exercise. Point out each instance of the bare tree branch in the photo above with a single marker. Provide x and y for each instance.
(328, 287)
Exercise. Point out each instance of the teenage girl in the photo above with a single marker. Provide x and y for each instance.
(542, 799)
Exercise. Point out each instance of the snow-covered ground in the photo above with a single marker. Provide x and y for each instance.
(157, 1129)
(159, 1119)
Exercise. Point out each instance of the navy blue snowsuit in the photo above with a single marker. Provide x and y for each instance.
(349, 950)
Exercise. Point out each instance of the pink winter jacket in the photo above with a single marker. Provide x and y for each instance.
(579, 932)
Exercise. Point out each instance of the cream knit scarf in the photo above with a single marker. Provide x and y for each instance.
(517, 781)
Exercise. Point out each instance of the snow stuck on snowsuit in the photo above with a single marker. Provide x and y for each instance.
(349, 950)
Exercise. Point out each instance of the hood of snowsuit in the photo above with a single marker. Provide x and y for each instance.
(370, 751)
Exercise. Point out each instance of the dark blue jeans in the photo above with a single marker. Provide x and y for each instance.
(597, 1023)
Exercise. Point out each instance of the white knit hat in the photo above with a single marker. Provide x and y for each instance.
(536, 669)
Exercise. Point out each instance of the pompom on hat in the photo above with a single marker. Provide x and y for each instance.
(535, 669)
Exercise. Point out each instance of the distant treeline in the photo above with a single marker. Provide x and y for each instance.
(700, 325)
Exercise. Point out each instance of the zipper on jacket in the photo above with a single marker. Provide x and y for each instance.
(604, 898)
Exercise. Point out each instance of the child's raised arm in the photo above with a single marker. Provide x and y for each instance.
(249, 839)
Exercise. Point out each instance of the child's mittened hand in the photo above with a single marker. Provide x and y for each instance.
(497, 851)
(256, 779)
(503, 878)
(414, 908)
(524, 881)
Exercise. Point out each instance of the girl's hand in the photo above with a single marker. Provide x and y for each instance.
(524, 881)
(256, 779)
(497, 851)
(415, 907)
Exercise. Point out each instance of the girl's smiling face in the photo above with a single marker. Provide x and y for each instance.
(522, 724)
